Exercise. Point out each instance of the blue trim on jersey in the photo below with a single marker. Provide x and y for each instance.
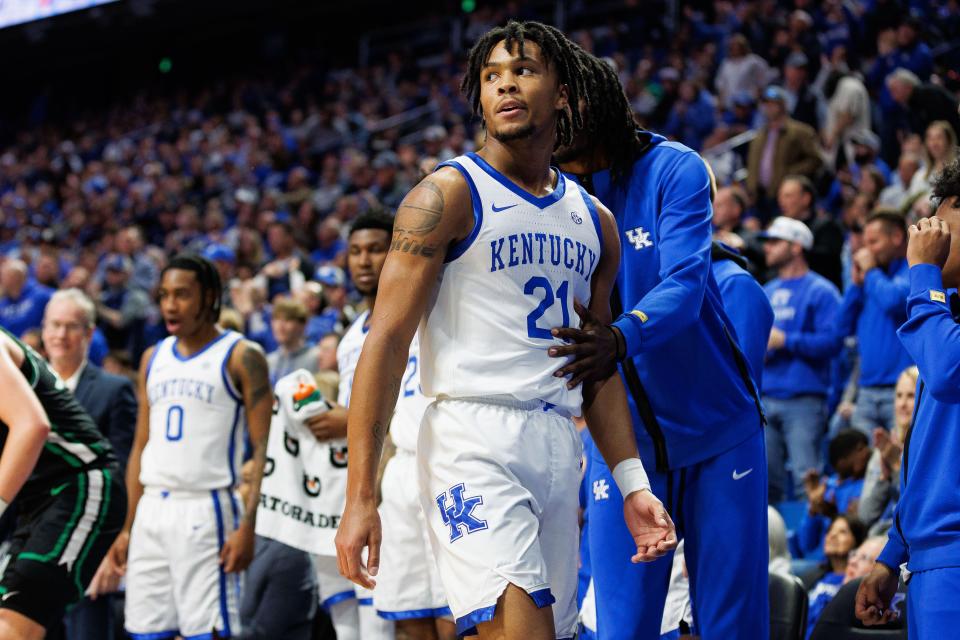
(467, 625)
(461, 247)
(365, 602)
(338, 597)
(541, 202)
(224, 611)
(155, 635)
(227, 382)
(591, 206)
(235, 508)
(412, 614)
(542, 597)
(181, 358)
(205, 636)
(232, 447)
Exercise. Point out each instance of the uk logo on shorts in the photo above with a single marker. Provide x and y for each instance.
(459, 515)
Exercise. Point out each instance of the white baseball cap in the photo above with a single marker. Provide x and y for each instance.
(791, 230)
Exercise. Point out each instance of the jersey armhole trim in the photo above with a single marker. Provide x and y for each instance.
(461, 247)
(153, 356)
(594, 214)
(232, 390)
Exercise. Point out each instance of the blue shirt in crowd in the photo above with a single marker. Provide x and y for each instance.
(676, 331)
(873, 311)
(813, 528)
(804, 309)
(26, 311)
(926, 531)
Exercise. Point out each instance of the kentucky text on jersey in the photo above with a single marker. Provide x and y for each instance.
(181, 388)
(318, 520)
(538, 248)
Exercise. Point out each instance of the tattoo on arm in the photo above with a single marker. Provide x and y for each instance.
(257, 374)
(414, 221)
(253, 501)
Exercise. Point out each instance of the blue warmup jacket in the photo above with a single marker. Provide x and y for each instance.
(747, 307)
(804, 309)
(678, 336)
(873, 312)
(926, 534)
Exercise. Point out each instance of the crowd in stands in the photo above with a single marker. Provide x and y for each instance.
(849, 109)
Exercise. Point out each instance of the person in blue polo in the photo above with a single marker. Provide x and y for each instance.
(797, 369)
(694, 402)
(926, 531)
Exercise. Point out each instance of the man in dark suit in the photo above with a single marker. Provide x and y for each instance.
(68, 324)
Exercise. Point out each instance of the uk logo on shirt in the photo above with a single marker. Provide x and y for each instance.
(601, 490)
(639, 238)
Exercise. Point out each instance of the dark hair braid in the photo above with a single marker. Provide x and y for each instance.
(608, 115)
(207, 276)
(559, 53)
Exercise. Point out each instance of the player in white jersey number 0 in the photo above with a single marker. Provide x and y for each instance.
(187, 535)
(488, 253)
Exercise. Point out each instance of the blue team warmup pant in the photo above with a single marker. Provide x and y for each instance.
(933, 604)
(720, 508)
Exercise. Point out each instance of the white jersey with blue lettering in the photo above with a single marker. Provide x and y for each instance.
(196, 418)
(411, 403)
(486, 331)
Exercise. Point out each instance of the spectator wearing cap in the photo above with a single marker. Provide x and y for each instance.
(122, 309)
(289, 324)
(741, 70)
(874, 307)
(290, 267)
(924, 103)
(804, 103)
(22, 301)
(782, 147)
(797, 368)
(796, 199)
(865, 150)
(338, 313)
(225, 260)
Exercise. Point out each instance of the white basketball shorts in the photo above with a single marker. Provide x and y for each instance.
(499, 483)
(408, 583)
(175, 583)
(332, 586)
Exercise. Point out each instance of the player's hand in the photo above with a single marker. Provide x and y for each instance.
(118, 552)
(329, 425)
(593, 349)
(777, 339)
(929, 242)
(650, 525)
(237, 552)
(359, 528)
(875, 594)
(105, 580)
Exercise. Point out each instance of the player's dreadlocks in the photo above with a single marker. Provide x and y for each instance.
(211, 289)
(558, 52)
(608, 116)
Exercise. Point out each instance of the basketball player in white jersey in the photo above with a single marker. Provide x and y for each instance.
(490, 252)
(187, 535)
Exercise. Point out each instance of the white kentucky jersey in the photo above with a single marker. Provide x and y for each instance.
(196, 418)
(411, 403)
(486, 330)
(304, 480)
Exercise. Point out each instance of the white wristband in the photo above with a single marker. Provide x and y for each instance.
(3, 506)
(630, 476)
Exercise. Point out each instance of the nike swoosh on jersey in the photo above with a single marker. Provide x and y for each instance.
(497, 209)
(737, 476)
